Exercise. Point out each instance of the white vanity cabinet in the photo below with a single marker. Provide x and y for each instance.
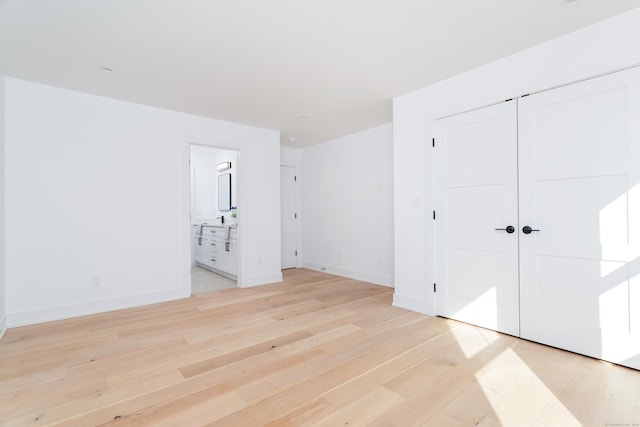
(218, 252)
(228, 253)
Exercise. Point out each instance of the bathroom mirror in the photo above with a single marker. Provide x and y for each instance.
(224, 192)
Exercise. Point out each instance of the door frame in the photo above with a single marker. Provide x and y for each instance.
(186, 205)
(298, 203)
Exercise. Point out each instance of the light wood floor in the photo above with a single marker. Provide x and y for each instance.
(316, 349)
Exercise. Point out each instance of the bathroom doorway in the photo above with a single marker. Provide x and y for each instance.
(214, 218)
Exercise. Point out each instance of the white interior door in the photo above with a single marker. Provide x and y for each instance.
(580, 187)
(476, 193)
(288, 217)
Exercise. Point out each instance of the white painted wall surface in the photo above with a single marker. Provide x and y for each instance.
(98, 202)
(347, 206)
(3, 306)
(204, 186)
(607, 46)
(290, 155)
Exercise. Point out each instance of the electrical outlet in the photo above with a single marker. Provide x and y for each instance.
(95, 282)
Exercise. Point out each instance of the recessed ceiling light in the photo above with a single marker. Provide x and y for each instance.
(302, 117)
(292, 139)
(107, 69)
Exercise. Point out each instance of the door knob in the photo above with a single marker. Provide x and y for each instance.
(510, 229)
(527, 230)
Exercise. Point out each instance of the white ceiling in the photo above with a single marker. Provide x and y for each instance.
(337, 63)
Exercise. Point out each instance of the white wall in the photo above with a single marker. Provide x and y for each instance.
(3, 308)
(98, 201)
(604, 47)
(347, 206)
(290, 155)
(204, 186)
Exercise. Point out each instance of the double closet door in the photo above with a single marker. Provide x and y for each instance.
(537, 232)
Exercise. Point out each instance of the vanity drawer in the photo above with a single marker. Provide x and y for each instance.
(214, 246)
(212, 231)
(219, 232)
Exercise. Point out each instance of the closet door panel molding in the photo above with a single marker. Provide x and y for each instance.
(476, 192)
(579, 172)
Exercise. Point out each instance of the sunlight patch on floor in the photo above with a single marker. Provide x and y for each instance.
(473, 340)
(520, 397)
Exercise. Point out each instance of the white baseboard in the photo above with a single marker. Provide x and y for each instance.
(376, 279)
(263, 279)
(412, 304)
(48, 314)
(3, 325)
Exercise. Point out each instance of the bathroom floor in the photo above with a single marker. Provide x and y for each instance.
(203, 280)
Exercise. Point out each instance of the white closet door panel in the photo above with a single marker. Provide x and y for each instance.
(476, 192)
(576, 213)
(579, 165)
(288, 227)
(576, 138)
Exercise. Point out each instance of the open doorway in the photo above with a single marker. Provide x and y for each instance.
(214, 222)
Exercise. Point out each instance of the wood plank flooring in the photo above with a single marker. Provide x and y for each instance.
(316, 349)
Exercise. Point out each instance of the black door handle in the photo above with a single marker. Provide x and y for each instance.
(527, 230)
(510, 229)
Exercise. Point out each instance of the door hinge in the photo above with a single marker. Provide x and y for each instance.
(434, 215)
(296, 253)
(433, 142)
(295, 178)
(434, 287)
(295, 215)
